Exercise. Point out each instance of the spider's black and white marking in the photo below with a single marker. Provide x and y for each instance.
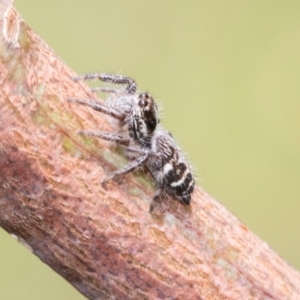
(144, 144)
(168, 166)
(172, 172)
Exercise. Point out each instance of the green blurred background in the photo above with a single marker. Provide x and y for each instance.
(227, 74)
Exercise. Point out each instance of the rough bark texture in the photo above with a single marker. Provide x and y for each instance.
(105, 242)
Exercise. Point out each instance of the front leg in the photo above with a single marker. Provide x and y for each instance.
(100, 107)
(115, 79)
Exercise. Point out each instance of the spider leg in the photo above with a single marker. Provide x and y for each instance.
(115, 79)
(158, 195)
(142, 151)
(106, 90)
(129, 168)
(99, 107)
(119, 139)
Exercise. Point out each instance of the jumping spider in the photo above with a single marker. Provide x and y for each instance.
(151, 147)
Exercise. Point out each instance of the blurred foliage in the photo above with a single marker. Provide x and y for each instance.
(227, 74)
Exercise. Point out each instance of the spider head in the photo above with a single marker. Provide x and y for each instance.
(148, 111)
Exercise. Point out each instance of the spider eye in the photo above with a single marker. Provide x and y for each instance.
(152, 124)
(144, 99)
(142, 103)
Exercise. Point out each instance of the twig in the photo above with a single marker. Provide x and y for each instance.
(105, 242)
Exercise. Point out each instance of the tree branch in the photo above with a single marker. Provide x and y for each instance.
(105, 242)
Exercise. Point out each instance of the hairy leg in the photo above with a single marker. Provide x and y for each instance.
(115, 79)
(100, 107)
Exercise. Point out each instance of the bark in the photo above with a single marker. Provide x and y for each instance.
(105, 242)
